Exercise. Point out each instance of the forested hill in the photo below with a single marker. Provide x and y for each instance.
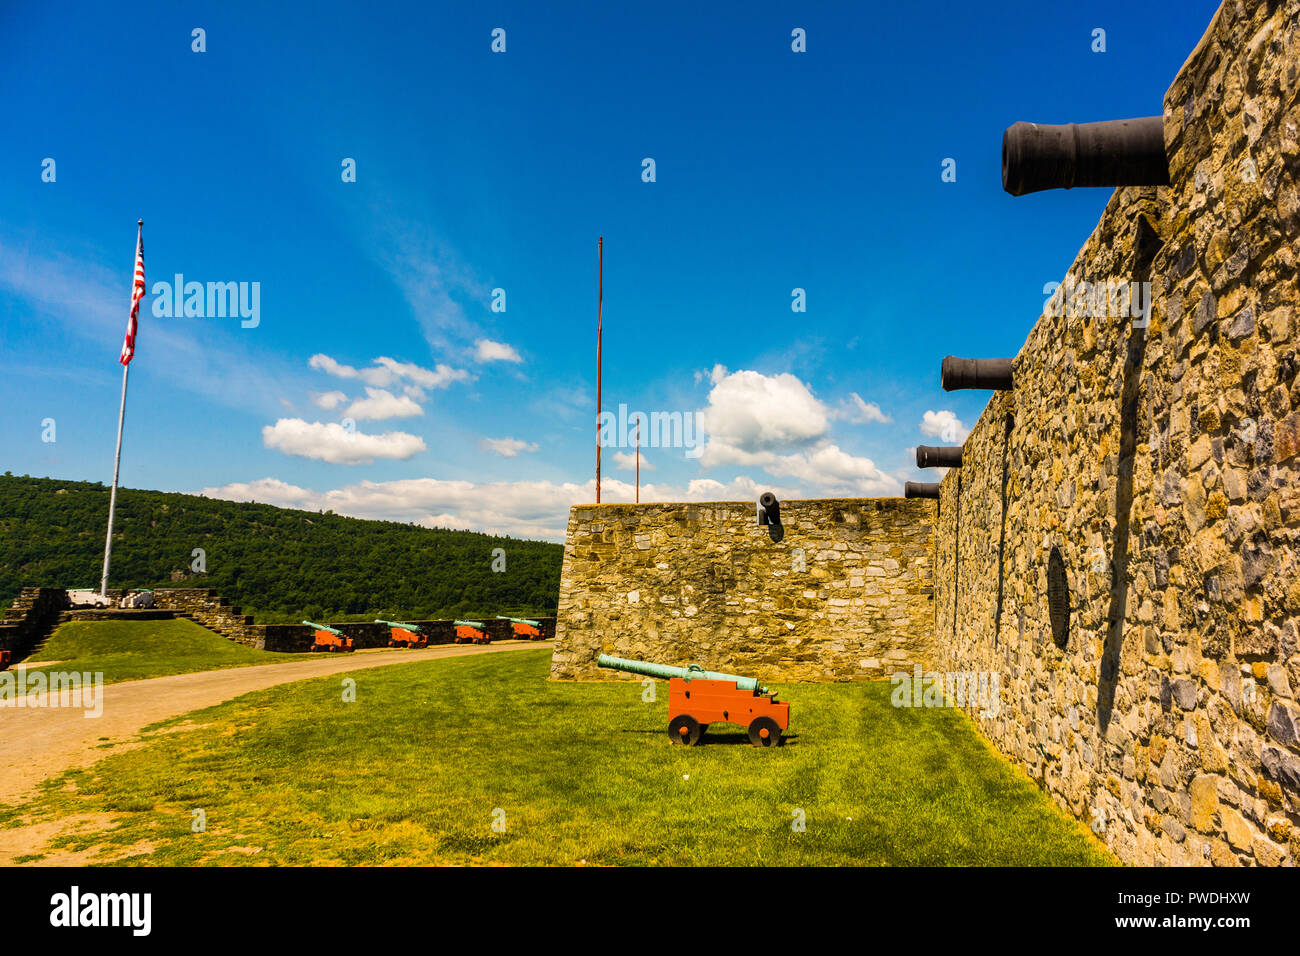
(279, 564)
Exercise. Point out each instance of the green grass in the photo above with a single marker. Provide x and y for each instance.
(132, 650)
(413, 771)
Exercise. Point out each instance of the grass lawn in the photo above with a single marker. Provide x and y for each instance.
(430, 754)
(131, 650)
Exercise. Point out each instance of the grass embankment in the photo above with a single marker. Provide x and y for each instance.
(431, 754)
(133, 650)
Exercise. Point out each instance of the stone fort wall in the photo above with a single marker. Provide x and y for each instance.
(846, 594)
(1162, 466)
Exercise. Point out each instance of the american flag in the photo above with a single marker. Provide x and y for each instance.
(137, 293)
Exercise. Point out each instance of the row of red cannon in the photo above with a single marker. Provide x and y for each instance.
(331, 639)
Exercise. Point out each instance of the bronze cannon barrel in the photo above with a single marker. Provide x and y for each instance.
(957, 373)
(921, 489)
(938, 456)
(1129, 152)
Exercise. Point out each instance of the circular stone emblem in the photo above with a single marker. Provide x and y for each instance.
(1058, 598)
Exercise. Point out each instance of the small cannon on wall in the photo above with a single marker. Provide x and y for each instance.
(958, 373)
(472, 632)
(769, 514)
(329, 638)
(938, 456)
(1130, 152)
(404, 635)
(522, 628)
(921, 489)
(697, 698)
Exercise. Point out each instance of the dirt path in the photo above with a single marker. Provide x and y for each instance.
(39, 743)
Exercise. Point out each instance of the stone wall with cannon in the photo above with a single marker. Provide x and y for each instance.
(844, 594)
(1119, 543)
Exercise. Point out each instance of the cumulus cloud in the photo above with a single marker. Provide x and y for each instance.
(831, 469)
(380, 404)
(627, 460)
(337, 445)
(440, 376)
(386, 372)
(751, 415)
(507, 447)
(861, 412)
(328, 400)
(528, 509)
(485, 350)
(945, 426)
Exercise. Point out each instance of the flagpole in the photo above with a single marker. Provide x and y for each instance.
(112, 497)
(121, 409)
(600, 298)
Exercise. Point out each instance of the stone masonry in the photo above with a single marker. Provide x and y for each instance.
(1162, 465)
(845, 595)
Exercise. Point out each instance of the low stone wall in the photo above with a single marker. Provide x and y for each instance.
(205, 606)
(34, 613)
(846, 594)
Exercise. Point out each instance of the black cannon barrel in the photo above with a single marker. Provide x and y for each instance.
(956, 373)
(938, 456)
(1130, 152)
(921, 489)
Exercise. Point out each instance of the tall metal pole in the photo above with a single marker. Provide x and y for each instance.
(600, 335)
(121, 409)
(638, 459)
(112, 497)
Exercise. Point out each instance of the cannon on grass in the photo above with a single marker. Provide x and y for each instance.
(472, 632)
(405, 635)
(697, 698)
(329, 638)
(524, 629)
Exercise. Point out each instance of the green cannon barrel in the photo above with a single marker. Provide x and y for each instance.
(413, 628)
(324, 627)
(478, 624)
(519, 620)
(665, 671)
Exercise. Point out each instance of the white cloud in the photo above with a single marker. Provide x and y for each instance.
(328, 400)
(386, 372)
(861, 412)
(751, 415)
(831, 469)
(485, 350)
(945, 426)
(440, 377)
(529, 509)
(507, 447)
(337, 445)
(627, 460)
(379, 404)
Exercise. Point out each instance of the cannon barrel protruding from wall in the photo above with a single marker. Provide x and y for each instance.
(956, 373)
(1130, 152)
(921, 489)
(938, 456)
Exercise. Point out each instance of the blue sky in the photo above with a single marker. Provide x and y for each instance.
(476, 171)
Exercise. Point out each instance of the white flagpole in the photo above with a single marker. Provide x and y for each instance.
(112, 497)
(117, 458)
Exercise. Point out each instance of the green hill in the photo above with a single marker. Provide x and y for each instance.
(279, 564)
